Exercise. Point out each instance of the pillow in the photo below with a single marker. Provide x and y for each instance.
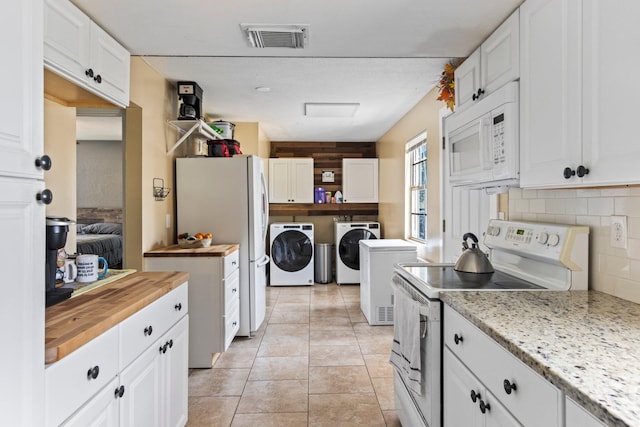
(100, 228)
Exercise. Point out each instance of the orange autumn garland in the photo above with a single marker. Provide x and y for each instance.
(447, 85)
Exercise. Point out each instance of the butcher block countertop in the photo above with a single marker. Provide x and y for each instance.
(586, 343)
(176, 251)
(76, 321)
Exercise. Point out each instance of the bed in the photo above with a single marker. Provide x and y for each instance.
(103, 239)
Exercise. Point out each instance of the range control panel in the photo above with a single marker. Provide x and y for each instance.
(533, 239)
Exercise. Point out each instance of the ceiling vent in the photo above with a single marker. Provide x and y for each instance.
(266, 35)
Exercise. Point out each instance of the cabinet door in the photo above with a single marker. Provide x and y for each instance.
(110, 62)
(279, 181)
(467, 79)
(360, 180)
(141, 404)
(301, 181)
(496, 415)
(577, 416)
(610, 110)
(175, 374)
(499, 55)
(21, 121)
(101, 411)
(22, 227)
(67, 39)
(458, 385)
(550, 92)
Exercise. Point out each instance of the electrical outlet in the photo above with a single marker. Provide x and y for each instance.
(619, 232)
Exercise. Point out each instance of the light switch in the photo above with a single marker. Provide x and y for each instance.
(168, 221)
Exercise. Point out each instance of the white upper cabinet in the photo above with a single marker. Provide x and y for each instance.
(550, 92)
(576, 122)
(360, 180)
(291, 180)
(489, 67)
(79, 50)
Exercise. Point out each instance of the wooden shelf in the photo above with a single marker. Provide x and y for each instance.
(316, 209)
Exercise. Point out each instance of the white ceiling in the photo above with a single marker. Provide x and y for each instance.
(384, 55)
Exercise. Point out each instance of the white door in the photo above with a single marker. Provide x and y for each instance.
(360, 180)
(467, 80)
(458, 386)
(175, 375)
(301, 180)
(101, 411)
(550, 92)
(279, 181)
(610, 115)
(140, 404)
(67, 39)
(110, 62)
(499, 54)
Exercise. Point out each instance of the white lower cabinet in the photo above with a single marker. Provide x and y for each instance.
(505, 383)
(93, 387)
(214, 298)
(577, 416)
(467, 401)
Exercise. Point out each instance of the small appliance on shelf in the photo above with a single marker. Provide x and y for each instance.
(190, 96)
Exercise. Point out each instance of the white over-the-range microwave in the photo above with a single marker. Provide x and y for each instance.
(483, 141)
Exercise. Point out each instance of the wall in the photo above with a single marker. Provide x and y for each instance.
(148, 135)
(99, 172)
(612, 270)
(60, 145)
(391, 152)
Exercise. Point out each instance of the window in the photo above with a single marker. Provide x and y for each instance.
(417, 187)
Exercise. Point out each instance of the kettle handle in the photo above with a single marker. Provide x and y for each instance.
(469, 235)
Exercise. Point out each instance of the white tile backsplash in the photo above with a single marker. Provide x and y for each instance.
(612, 270)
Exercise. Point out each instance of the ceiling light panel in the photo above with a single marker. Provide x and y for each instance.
(330, 109)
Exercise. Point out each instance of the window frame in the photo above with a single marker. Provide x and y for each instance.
(411, 146)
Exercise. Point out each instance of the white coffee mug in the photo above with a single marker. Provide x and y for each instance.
(88, 268)
(69, 270)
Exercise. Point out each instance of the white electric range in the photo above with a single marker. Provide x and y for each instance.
(525, 256)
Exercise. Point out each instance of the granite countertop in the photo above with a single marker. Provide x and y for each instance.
(586, 343)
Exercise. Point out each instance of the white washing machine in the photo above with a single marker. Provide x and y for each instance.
(291, 254)
(348, 236)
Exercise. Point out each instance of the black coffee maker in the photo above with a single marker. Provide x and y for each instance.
(57, 230)
(190, 95)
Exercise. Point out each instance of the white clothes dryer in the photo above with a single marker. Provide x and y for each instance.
(348, 236)
(291, 254)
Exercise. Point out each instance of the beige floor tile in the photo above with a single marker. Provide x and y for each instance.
(332, 337)
(295, 419)
(291, 306)
(301, 298)
(289, 317)
(274, 396)
(332, 410)
(378, 365)
(277, 330)
(236, 357)
(391, 418)
(211, 411)
(366, 330)
(291, 348)
(341, 323)
(375, 345)
(339, 379)
(384, 392)
(335, 355)
(248, 342)
(217, 382)
(280, 368)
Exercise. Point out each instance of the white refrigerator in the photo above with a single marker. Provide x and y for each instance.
(227, 197)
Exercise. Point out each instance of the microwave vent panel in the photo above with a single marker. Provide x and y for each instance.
(289, 36)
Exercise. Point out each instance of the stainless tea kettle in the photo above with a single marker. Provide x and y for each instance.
(472, 259)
